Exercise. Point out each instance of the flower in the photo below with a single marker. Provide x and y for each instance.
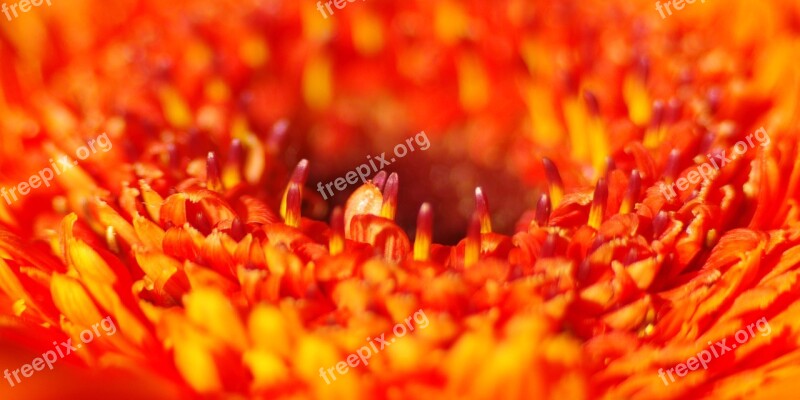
(213, 261)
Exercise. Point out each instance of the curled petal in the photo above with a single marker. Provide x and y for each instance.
(388, 239)
(366, 200)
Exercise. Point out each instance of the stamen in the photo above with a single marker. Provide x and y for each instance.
(583, 271)
(659, 223)
(634, 90)
(379, 180)
(482, 209)
(472, 249)
(658, 115)
(212, 173)
(632, 195)
(300, 172)
(201, 223)
(293, 201)
(549, 246)
(390, 196)
(277, 135)
(595, 131)
(706, 142)
(238, 230)
(633, 255)
(653, 134)
(231, 173)
(671, 169)
(610, 166)
(598, 204)
(598, 241)
(714, 98)
(643, 67)
(298, 179)
(556, 186)
(542, 210)
(336, 242)
(673, 112)
(422, 241)
(591, 103)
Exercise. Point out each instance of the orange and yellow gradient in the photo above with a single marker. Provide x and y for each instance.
(563, 272)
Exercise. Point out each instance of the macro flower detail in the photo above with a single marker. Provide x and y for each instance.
(606, 206)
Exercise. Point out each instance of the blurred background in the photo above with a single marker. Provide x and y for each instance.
(496, 85)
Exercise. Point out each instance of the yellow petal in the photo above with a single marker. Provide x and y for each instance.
(213, 311)
(72, 299)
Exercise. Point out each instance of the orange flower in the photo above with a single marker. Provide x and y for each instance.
(580, 279)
